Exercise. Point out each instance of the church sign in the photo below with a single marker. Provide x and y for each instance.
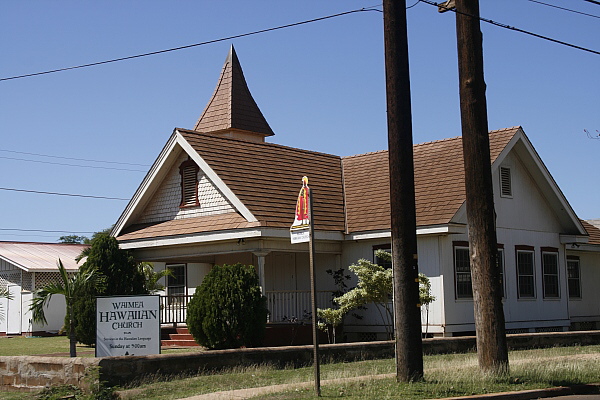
(127, 325)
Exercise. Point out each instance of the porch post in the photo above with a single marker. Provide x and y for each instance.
(261, 268)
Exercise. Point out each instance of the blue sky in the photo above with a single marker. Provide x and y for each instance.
(321, 86)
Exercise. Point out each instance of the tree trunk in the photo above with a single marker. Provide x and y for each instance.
(492, 350)
(72, 339)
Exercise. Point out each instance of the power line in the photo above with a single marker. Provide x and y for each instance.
(73, 165)
(41, 230)
(72, 158)
(563, 8)
(593, 2)
(190, 45)
(63, 194)
(489, 21)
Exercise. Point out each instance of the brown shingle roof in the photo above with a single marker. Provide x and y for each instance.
(439, 183)
(232, 106)
(592, 231)
(185, 226)
(267, 178)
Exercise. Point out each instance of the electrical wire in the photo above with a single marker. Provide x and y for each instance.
(72, 165)
(593, 2)
(501, 25)
(563, 8)
(63, 194)
(190, 45)
(41, 230)
(72, 158)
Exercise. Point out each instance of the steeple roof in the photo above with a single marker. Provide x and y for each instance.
(232, 108)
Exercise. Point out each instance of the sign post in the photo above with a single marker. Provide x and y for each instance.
(302, 231)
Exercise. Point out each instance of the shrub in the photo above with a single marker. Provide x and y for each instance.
(228, 309)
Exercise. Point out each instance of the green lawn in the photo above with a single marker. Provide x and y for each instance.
(55, 345)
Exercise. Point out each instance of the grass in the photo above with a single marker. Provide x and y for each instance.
(445, 375)
(55, 345)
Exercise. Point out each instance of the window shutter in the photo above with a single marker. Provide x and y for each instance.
(189, 184)
(505, 182)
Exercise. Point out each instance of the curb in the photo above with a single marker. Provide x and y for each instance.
(534, 393)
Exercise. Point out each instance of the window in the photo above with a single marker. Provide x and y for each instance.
(550, 272)
(176, 282)
(462, 270)
(573, 274)
(380, 261)
(189, 184)
(525, 273)
(505, 182)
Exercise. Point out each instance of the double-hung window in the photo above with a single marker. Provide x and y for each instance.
(462, 271)
(574, 277)
(176, 282)
(525, 272)
(550, 272)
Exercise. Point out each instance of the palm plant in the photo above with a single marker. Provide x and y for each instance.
(4, 293)
(68, 286)
(152, 278)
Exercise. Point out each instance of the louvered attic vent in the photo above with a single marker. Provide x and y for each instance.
(189, 184)
(505, 182)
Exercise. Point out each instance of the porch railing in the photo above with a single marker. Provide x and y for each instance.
(283, 305)
(173, 309)
(294, 305)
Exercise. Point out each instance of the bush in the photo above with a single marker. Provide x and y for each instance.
(228, 310)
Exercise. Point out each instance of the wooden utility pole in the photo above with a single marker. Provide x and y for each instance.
(492, 350)
(313, 296)
(407, 314)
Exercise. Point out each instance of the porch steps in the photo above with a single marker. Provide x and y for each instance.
(182, 337)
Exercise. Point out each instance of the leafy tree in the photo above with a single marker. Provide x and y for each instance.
(74, 239)
(375, 286)
(69, 286)
(121, 274)
(228, 310)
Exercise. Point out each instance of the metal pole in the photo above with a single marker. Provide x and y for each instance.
(313, 295)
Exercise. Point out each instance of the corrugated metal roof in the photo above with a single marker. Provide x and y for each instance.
(41, 257)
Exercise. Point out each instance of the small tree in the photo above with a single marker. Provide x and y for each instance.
(73, 239)
(228, 310)
(69, 286)
(374, 286)
(121, 274)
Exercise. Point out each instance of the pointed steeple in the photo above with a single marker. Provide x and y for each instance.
(232, 111)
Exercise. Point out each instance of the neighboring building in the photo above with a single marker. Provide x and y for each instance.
(26, 267)
(220, 194)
